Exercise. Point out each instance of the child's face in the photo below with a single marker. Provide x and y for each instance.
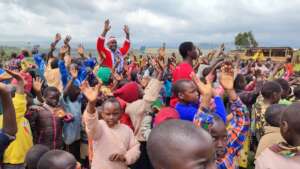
(111, 114)
(193, 53)
(219, 134)
(52, 98)
(190, 93)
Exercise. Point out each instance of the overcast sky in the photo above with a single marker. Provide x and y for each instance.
(152, 21)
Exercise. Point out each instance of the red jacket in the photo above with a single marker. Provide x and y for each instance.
(108, 61)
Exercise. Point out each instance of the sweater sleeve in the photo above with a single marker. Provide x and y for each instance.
(93, 126)
(20, 103)
(220, 108)
(125, 48)
(238, 126)
(146, 126)
(38, 59)
(133, 152)
(104, 52)
(64, 72)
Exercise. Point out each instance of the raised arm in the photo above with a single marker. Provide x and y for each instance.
(126, 45)
(62, 67)
(37, 88)
(20, 81)
(67, 45)
(9, 114)
(93, 126)
(74, 74)
(203, 118)
(53, 45)
(103, 52)
(80, 51)
(239, 125)
(106, 28)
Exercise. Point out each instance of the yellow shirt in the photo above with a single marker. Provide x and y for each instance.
(17, 150)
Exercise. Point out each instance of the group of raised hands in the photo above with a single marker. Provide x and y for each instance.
(65, 49)
(107, 27)
(206, 89)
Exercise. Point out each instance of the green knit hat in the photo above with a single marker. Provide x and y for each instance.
(104, 74)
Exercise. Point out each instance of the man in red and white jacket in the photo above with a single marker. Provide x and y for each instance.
(112, 57)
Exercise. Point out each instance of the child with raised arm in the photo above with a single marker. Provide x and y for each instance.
(47, 120)
(228, 139)
(114, 144)
(15, 153)
(9, 127)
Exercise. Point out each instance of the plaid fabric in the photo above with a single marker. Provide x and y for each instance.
(237, 130)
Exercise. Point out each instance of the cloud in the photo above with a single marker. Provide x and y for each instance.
(152, 22)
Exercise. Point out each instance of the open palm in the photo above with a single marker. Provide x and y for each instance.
(91, 93)
(107, 25)
(126, 29)
(37, 84)
(205, 89)
(227, 77)
(80, 49)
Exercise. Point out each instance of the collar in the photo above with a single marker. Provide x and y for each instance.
(286, 150)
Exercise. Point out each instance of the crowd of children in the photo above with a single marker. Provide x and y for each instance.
(118, 111)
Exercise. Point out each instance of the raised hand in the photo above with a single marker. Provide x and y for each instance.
(64, 49)
(73, 72)
(67, 39)
(91, 93)
(19, 78)
(204, 89)
(15, 75)
(222, 47)
(227, 76)
(126, 29)
(68, 60)
(57, 37)
(199, 52)
(106, 25)
(80, 50)
(37, 84)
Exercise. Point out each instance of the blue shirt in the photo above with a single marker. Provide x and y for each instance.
(71, 130)
(188, 111)
(90, 62)
(65, 75)
(39, 61)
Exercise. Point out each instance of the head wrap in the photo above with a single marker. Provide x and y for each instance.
(112, 39)
(129, 92)
(104, 74)
(164, 114)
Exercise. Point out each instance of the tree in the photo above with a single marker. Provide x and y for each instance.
(252, 40)
(245, 40)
